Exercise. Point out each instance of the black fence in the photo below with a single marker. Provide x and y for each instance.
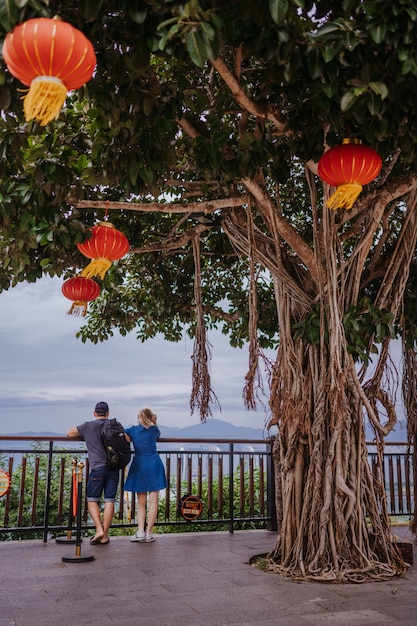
(231, 479)
(398, 477)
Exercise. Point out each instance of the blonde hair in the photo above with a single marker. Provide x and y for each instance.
(146, 418)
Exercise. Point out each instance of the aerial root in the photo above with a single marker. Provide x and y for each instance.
(374, 572)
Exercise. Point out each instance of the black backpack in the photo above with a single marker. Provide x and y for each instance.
(117, 448)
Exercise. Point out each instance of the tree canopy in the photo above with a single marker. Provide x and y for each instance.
(199, 135)
(189, 100)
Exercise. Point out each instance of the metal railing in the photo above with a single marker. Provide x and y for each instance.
(398, 478)
(233, 479)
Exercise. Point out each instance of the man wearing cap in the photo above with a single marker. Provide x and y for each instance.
(100, 479)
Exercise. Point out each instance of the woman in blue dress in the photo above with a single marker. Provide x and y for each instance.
(146, 472)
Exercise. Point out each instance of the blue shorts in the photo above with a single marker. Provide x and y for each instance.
(99, 480)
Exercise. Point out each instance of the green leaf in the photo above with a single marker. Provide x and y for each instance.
(315, 66)
(82, 162)
(197, 48)
(379, 88)
(90, 9)
(327, 29)
(136, 11)
(8, 14)
(146, 175)
(409, 65)
(165, 23)
(373, 104)
(355, 325)
(329, 90)
(278, 10)
(378, 33)
(350, 40)
(402, 53)
(328, 53)
(348, 100)
(412, 13)
(358, 91)
(134, 172)
(208, 30)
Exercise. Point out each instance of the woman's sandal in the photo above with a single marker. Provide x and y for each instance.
(94, 541)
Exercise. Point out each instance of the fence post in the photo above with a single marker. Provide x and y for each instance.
(231, 489)
(270, 491)
(48, 493)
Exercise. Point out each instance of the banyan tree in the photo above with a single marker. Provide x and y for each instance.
(203, 132)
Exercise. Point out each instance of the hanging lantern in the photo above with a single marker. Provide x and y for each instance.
(348, 167)
(50, 57)
(82, 291)
(106, 244)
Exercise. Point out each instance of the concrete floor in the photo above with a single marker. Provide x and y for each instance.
(185, 579)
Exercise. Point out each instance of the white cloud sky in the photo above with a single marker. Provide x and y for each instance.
(49, 380)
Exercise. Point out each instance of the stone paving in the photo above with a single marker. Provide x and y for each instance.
(186, 579)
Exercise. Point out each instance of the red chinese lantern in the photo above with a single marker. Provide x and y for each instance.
(50, 57)
(348, 167)
(82, 291)
(106, 244)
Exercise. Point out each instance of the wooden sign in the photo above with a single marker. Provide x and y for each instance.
(4, 482)
(191, 507)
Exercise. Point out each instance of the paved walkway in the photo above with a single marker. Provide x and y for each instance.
(186, 579)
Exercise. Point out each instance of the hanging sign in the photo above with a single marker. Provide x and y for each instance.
(4, 482)
(191, 507)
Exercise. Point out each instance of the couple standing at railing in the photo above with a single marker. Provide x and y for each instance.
(146, 473)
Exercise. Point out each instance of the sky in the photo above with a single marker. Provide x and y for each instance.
(49, 380)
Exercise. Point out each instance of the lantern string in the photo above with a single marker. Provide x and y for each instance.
(107, 210)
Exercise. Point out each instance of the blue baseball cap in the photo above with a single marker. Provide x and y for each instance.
(102, 408)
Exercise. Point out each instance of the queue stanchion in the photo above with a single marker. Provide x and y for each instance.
(77, 504)
(69, 538)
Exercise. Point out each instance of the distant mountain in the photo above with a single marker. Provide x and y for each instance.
(219, 429)
(33, 433)
(211, 429)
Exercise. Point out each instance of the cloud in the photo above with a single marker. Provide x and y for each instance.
(49, 380)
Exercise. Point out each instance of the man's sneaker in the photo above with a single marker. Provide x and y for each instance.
(149, 538)
(138, 536)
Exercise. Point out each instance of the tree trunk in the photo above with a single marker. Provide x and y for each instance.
(333, 523)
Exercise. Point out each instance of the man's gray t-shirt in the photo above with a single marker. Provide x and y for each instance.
(91, 433)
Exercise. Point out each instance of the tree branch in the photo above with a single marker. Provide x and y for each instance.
(396, 188)
(286, 231)
(187, 128)
(205, 207)
(171, 242)
(265, 111)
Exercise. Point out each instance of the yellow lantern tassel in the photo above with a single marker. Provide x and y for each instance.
(44, 100)
(344, 197)
(96, 267)
(79, 308)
